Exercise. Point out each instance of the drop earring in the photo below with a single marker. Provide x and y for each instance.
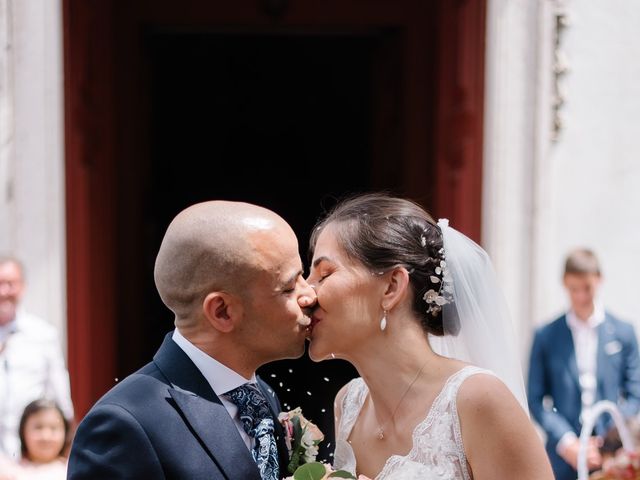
(383, 322)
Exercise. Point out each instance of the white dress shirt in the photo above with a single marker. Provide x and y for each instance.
(31, 367)
(585, 343)
(221, 378)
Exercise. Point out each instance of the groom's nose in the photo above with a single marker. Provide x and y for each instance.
(308, 297)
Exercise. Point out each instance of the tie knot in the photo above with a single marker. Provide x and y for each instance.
(252, 406)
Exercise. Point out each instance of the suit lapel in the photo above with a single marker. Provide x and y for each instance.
(605, 371)
(211, 422)
(606, 336)
(204, 413)
(567, 349)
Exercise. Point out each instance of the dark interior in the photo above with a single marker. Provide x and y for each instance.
(283, 121)
(286, 104)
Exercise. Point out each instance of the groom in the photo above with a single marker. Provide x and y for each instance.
(232, 275)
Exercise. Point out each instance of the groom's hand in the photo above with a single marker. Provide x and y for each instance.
(570, 453)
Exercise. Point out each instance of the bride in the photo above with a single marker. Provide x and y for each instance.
(415, 307)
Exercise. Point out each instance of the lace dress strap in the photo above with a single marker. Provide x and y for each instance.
(355, 395)
(352, 402)
(456, 380)
(449, 397)
(437, 452)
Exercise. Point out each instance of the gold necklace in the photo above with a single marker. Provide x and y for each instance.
(380, 426)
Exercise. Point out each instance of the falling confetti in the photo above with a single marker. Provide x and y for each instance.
(309, 393)
(291, 370)
(326, 379)
(273, 375)
(281, 384)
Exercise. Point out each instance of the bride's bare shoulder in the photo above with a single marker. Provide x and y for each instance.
(484, 393)
(499, 438)
(490, 414)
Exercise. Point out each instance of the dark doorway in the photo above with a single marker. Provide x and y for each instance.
(168, 104)
(278, 120)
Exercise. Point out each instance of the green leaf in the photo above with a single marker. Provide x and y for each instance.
(294, 463)
(297, 431)
(297, 450)
(310, 471)
(341, 474)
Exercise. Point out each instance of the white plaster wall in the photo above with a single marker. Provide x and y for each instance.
(509, 152)
(6, 123)
(592, 173)
(541, 197)
(31, 153)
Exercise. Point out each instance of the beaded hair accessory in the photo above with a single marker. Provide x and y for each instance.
(442, 291)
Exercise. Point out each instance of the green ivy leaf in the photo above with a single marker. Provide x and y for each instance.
(297, 432)
(297, 450)
(294, 463)
(310, 471)
(341, 474)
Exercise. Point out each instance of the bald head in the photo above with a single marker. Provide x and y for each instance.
(209, 247)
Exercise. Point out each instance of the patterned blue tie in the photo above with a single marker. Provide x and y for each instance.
(257, 421)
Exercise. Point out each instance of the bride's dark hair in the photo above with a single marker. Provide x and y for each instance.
(383, 232)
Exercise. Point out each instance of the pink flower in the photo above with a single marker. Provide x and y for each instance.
(301, 438)
(287, 426)
(312, 432)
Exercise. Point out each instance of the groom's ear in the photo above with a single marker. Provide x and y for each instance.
(396, 288)
(222, 310)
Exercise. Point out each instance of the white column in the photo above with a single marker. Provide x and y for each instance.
(510, 148)
(31, 152)
(6, 124)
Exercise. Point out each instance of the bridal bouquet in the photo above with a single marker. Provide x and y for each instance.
(318, 471)
(302, 439)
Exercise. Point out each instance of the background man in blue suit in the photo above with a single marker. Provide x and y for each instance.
(584, 356)
(232, 275)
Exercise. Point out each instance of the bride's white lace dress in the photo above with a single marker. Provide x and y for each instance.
(437, 452)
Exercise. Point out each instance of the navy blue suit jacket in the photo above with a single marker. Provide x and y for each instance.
(165, 422)
(553, 373)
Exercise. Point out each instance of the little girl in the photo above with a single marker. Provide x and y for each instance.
(43, 436)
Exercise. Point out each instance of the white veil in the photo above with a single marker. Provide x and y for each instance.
(479, 311)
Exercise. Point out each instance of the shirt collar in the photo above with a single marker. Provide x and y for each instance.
(596, 318)
(221, 378)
